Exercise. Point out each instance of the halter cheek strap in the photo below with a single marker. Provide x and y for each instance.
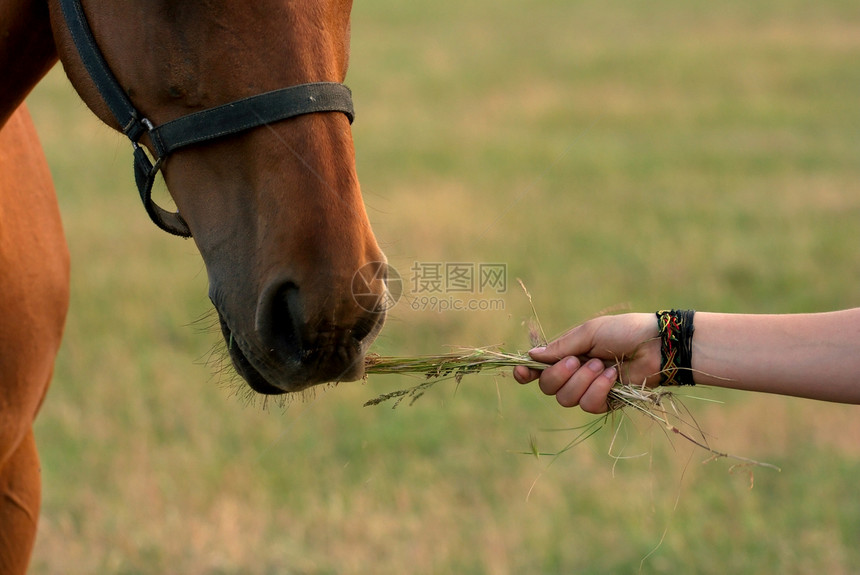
(197, 127)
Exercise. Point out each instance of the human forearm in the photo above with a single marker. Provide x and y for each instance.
(806, 355)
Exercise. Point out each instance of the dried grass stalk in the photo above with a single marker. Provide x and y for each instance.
(658, 404)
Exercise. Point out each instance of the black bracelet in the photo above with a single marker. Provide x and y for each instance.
(676, 346)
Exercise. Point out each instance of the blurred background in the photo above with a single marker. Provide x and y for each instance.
(614, 155)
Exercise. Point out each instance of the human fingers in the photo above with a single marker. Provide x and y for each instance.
(570, 393)
(595, 398)
(556, 375)
(524, 374)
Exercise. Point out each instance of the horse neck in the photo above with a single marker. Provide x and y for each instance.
(27, 50)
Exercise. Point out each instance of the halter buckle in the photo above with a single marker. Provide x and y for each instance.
(149, 128)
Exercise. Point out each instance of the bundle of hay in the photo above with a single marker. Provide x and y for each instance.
(659, 404)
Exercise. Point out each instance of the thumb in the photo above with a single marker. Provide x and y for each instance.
(540, 354)
(552, 352)
(570, 344)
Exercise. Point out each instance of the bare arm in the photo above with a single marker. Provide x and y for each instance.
(816, 356)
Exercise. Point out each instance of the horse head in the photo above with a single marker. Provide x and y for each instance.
(276, 210)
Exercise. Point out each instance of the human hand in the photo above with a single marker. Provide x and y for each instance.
(587, 360)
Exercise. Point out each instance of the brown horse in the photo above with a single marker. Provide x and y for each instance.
(34, 296)
(275, 210)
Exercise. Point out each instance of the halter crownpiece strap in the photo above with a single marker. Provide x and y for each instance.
(195, 128)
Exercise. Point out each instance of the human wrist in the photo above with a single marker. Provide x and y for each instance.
(645, 355)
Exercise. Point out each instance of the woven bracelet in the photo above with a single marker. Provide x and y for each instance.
(676, 346)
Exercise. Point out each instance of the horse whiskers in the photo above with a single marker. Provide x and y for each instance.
(206, 323)
(225, 376)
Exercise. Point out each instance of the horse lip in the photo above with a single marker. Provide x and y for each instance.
(243, 365)
(351, 353)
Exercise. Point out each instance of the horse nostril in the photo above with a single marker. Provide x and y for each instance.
(281, 321)
(295, 326)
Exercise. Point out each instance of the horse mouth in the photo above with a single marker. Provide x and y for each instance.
(243, 366)
(337, 358)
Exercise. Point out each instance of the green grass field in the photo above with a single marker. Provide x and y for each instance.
(613, 155)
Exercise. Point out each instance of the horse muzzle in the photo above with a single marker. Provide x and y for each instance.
(293, 346)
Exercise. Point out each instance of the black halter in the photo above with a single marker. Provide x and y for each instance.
(197, 127)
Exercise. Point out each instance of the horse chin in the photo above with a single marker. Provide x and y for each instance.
(324, 365)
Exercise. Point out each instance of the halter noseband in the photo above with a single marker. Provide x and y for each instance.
(197, 127)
